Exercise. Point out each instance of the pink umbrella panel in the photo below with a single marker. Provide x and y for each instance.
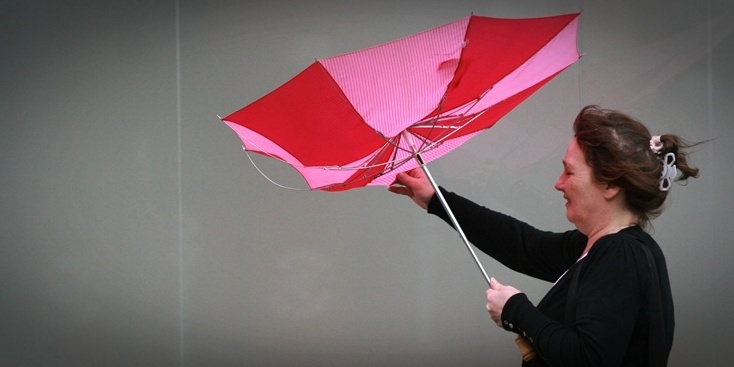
(342, 122)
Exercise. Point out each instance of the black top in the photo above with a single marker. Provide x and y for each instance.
(612, 313)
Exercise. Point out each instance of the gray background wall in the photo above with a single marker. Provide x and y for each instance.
(135, 232)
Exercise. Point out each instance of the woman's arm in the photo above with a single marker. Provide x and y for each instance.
(519, 246)
(606, 311)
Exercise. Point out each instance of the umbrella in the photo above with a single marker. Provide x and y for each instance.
(360, 118)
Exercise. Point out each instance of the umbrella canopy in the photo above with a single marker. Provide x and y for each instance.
(360, 118)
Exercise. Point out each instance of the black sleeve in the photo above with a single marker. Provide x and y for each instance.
(517, 245)
(608, 305)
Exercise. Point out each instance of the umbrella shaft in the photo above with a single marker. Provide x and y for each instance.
(451, 215)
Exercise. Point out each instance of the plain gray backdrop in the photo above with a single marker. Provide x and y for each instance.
(135, 232)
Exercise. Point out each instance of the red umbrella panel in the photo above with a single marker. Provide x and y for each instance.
(361, 118)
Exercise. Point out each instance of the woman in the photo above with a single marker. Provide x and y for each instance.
(611, 303)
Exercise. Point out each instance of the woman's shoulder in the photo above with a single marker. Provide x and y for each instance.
(625, 250)
(628, 239)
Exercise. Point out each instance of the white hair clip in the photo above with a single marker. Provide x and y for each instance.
(655, 144)
(670, 171)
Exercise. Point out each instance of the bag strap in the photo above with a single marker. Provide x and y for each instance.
(657, 355)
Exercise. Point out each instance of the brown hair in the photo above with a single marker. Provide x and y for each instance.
(617, 147)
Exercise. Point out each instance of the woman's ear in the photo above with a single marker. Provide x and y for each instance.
(612, 191)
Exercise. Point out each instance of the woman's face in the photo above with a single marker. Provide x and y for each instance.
(584, 197)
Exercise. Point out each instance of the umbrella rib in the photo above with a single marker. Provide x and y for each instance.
(268, 178)
(426, 144)
(335, 168)
(388, 166)
(441, 139)
(368, 166)
(432, 123)
(264, 152)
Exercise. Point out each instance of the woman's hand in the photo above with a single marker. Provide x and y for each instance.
(415, 185)
(497, 296)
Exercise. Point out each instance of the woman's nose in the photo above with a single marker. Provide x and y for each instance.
(559, 184)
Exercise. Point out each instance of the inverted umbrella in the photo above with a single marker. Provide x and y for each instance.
(360, 118)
